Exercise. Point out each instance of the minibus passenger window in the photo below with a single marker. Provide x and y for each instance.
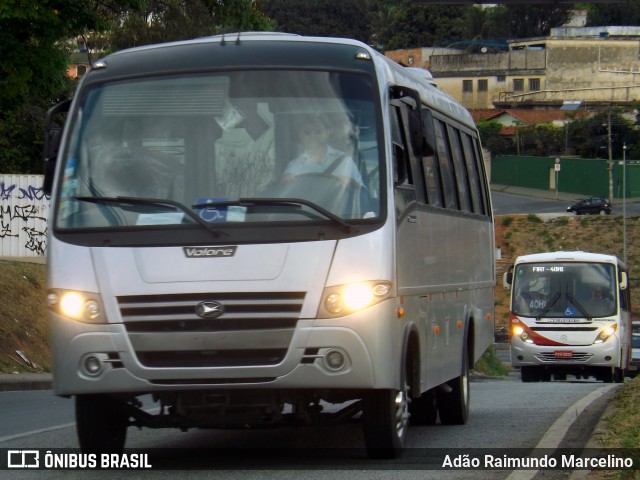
(446, 170)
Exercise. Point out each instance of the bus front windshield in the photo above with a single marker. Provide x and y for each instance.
(568, 291)
(229, 148)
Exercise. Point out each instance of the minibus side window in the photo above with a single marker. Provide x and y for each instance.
(429, 166)
(446, 170)
(460, 169)
(474, 176)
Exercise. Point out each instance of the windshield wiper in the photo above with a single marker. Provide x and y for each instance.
(574, 300)
(156, 202)
(248, 202)
(548, 306)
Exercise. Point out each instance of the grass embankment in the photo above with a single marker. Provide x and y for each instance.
(23, 318)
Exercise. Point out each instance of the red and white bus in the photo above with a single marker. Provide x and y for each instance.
(569, 314)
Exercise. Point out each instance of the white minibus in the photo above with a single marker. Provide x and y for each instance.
(570, 314)
(256, 228)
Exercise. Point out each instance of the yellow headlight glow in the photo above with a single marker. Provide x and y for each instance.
(72, 305)
(605, 334)
(357, 296)
(76, 305)
(345, 299)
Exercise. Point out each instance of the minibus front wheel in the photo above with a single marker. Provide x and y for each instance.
(385, 418)
(101, 423)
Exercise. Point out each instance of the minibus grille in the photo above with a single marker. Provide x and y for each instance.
(577, 357)
(254, 329)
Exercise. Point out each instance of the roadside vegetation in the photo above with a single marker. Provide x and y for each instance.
(622, 430)
(23, 326)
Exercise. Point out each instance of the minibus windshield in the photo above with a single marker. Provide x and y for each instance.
(566, 292)
(229, 148)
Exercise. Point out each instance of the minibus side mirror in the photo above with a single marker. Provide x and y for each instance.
(507, 278)
(419, 143)
(52, 140)
(399, 165)
(411, 98)
(623, 281)
(429, 131)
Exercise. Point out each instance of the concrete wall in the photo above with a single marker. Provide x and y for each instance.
(497, 69)
(24, 210)
(587, 69)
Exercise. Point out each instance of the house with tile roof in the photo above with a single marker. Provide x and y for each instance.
(512, 118)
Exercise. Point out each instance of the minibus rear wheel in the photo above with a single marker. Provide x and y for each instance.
(454, 405)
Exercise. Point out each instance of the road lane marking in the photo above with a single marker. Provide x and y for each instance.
(560, 427)
(35, 432)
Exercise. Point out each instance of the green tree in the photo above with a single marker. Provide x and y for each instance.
(413, 25)
(324, 18)
(490, 136)
(542, 140)
(627, 13)
(33, 66)
(589, 137)
(170, 20)
(525, 21)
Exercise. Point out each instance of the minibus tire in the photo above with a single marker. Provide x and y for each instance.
(385, 419)
(454, 405)
(101, 423)
(529, 374)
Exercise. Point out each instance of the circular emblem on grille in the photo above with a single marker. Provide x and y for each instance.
(209, 309)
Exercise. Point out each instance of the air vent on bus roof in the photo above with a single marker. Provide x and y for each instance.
(422, 74)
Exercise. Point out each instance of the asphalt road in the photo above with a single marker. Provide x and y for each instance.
(505, 414)
(505, 203)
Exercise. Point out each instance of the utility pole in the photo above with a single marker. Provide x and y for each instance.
(609, 148)
(624, 202)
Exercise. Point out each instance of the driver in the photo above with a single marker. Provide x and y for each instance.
(320, 157)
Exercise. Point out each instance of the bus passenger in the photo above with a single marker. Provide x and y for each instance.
(320, 157)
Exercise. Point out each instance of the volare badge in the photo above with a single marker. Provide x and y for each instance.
(204, 252)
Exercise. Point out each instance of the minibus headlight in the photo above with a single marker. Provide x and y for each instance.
(345, 299)
(81, 306)
(605, 334)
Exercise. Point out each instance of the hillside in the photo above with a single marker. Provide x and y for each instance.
(23, 325)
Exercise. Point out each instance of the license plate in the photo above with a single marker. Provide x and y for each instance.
(563, 354)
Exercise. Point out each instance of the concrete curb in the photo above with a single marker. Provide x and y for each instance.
(25, 381)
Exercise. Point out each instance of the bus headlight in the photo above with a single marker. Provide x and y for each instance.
(82, 306)
(606, 332)
(342, 300)
(519, 331)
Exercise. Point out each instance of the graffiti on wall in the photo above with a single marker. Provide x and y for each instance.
(24, 210)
